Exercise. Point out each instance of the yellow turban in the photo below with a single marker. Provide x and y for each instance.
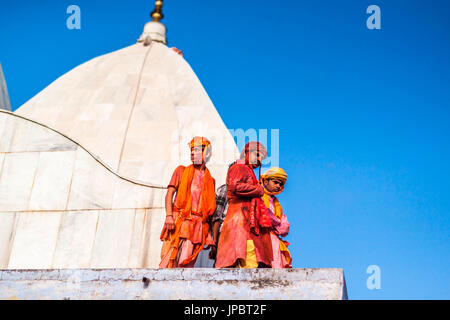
(275, 173)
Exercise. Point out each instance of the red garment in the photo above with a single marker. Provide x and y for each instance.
(259, 216)
(242, 188)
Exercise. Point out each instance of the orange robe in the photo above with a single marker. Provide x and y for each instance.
(192, 232)
(242, 187)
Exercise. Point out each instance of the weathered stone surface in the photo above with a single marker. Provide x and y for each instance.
(16, 180)
(110, 226)
(81, 239)
(19, 135)
(34, 240)
(75, 240)
(162, 284)
(52, 181)
(7, 228)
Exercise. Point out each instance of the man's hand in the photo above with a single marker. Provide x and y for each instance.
(170, 223)
(213, 252)
(178, 51)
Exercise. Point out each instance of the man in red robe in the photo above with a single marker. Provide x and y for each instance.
(244, 240)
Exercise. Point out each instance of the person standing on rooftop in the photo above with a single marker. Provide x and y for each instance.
(244, 240)
(186, 230)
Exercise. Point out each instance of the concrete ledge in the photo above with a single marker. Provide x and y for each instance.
(173, 284)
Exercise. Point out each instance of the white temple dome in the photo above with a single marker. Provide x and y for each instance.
(84, 163)
(135, 110)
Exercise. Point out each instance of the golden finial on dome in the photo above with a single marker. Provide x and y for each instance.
(154, 30)
(157, 14)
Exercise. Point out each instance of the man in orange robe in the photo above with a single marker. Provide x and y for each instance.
(242, 242)
(186, 229)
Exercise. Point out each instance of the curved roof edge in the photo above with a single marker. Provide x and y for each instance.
(141, 183)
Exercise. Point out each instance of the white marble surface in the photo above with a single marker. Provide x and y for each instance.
(34, 240)
(113, 239)
(136, 109)
(16, 180)
(52, 181)
(75, 240)
(64, 177)
(81, 239)
(84, 163)
(62, 208)
(7, 228)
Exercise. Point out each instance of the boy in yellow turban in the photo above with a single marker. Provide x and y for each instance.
(273, 181)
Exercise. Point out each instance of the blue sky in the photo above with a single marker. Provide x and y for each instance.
(363, 115)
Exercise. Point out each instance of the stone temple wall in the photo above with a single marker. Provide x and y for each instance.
(60, 207)
(174, 284)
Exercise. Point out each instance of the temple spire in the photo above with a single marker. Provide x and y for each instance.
(4, 97)
(157, 14)
(154, 30)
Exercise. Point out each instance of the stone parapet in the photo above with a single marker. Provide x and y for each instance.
(173, 284)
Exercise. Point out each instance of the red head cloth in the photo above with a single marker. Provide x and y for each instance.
(254, 145)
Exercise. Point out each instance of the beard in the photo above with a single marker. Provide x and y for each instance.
(197, 159)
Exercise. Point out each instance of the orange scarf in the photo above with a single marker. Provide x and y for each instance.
(183, 205)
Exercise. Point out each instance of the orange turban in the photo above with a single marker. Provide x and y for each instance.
(199, 141)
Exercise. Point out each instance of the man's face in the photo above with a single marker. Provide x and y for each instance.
(197, 154)
(273, 185)
(254, 158)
